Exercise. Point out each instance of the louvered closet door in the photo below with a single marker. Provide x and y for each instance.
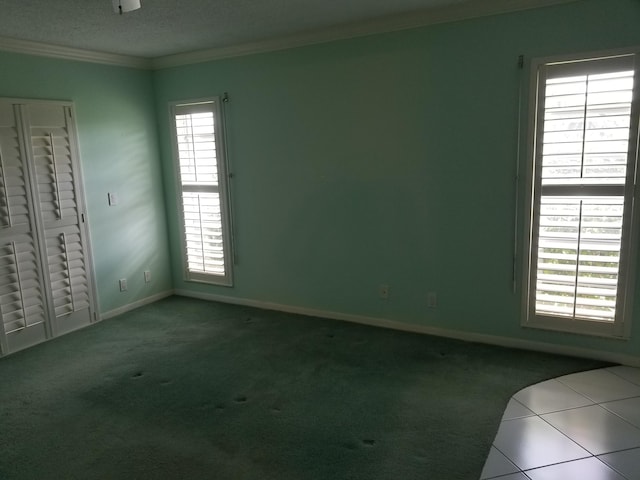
(22, 299)
(60, 215)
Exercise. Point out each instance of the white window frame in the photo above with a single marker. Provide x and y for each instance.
(215, 106)
(620, 327)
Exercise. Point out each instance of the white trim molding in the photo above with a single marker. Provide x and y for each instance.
(463, 11)
(68, 53)
(393, 23)
(132, 306)
(612, 357)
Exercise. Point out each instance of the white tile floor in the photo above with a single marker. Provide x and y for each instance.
(584, 426)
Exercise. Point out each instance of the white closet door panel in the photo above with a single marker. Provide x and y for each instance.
(26, 337)
(23, 311)
(67, 270)
(45, 280)
(14, 193)
(54, 171)
(21, 296)
(64, 241)
(14, 208)
(13, 189)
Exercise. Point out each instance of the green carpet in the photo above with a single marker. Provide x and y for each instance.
(187, 389)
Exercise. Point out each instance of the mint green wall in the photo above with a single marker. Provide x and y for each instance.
(115, 116)
(388, 159)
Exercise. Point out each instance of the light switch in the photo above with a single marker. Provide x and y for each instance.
(113, 198)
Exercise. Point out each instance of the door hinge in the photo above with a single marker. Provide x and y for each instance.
(82, 217)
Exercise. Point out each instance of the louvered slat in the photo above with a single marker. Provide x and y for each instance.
(65, 253)
(586, 127)
(21, 298)
(203, 230)
(67, 270)
(59, 206)
(54, 172)
(13, 195)
(21, 294)
(45, 285)
(196, 141)
(579, 256)
(202, 209)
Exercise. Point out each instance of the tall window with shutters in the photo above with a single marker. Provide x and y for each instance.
(202, 180)
(581, 237)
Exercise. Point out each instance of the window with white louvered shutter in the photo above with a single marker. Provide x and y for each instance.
(200, 161)
(583, 190)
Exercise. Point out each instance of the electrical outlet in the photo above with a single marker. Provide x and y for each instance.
(123, 284)
(432, 300)
(147, 276)
(383, 291)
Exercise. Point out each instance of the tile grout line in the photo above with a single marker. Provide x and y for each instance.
(612, 467)
(510, 461)
(609, 369)
(520, 470)
(620, 416)
(590, 454)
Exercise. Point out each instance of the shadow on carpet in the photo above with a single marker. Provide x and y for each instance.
(188, 389)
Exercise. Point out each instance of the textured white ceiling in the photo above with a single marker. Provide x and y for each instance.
(166, 27)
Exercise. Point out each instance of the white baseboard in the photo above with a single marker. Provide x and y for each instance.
(132, 306)
(612, 357)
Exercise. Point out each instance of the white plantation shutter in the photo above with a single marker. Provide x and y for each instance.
(22, 300)
(202, 179)
(45, 284)
(54, 173)
(585, 164)
(14, 209)
(586, 129)
(57, 192)
(203, 232)
(67, 272)
(579, 245)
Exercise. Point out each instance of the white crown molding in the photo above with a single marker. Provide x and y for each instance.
(68, 53)
(631, 360)
(453, 13)
(464, 11)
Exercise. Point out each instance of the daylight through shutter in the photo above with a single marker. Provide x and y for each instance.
(583, 162)
(198, 151)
